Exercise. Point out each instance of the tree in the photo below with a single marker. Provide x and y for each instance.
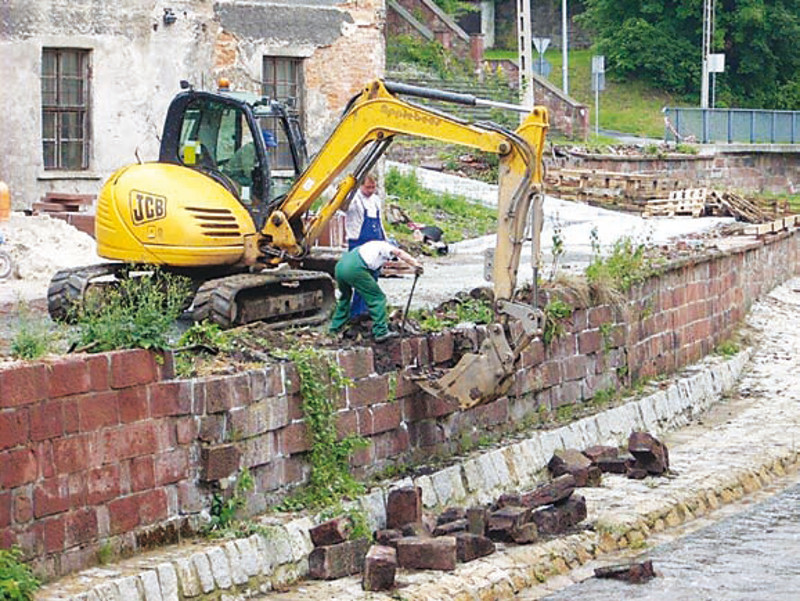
(659, 41)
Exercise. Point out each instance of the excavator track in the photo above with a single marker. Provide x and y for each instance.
(68, 288)
(281, 298)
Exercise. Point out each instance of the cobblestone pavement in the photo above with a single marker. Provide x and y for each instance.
(744, 443)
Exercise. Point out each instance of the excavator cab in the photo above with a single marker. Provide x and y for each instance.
(229, 137)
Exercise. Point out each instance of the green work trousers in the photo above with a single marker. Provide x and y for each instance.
(353, 274)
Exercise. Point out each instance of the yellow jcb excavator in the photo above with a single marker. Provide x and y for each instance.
(208, 209)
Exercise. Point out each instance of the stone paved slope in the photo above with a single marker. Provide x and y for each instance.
(742, 444)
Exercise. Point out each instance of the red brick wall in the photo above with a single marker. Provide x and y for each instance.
(110, 450)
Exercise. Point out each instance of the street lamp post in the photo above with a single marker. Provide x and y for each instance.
(564, 47)
(525, 51)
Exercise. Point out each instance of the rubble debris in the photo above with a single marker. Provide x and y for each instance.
(635, 573)
(332, 532)
(451, 514)
(651, 454)
(505, 522)
(472, 546)
(427, 553)
(404, 506)
(477, 518)
(388, 538)
(380, 567)
(572, 461)
(451, 527)
(337, 561)
(559, 518)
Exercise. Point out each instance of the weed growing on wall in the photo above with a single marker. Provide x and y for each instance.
(17, 582)
(31, 338)
(138, 312)
(321, 383)
(626, 265)
(555, 312)
(224, 509)
(204, 339)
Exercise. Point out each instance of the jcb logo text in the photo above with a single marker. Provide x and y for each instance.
(147, 207)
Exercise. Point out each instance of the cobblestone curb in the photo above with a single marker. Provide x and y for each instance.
(264, 562)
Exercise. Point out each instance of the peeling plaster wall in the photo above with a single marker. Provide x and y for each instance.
(137, 62)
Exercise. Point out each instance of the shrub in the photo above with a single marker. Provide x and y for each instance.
(17, 582)
(137, 312)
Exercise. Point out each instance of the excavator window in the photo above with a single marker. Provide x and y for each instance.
(217, 138)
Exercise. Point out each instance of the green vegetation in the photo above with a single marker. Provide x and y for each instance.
(31, 338)
(659, 44)
(357, 517)
(458, 218)
(727, 348)
(626, 265)
(633, 107)
(467, 310)
(555, 312)
(321, 384)
(204, 340)
(17, 582)
(138, 312)
(224, 509)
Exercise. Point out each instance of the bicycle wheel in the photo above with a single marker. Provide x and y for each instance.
(5, 264)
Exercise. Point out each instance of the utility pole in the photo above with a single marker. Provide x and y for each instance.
(564, 48)
(524, 49)
(708, 36)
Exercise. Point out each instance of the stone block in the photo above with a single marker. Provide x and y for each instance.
(472, 546)
(572, 461)
(404, 506)
(220, 462)
(451, 527)
(476, 520)
(597, 452)
(388, 538)
(557, 519)
(427, 553)
(418, 529)
(337, 561)
(380, 567)
(618, 465)
(505, 521)
(332, 532)
(636, 573)
(650, 453)
(451, 514)
(525, 534)
(558, 489)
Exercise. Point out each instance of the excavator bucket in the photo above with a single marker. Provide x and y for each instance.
(477, 378)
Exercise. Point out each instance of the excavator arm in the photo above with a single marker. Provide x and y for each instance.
(372, 120)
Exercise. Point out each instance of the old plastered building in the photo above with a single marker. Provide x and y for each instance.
(86, 83)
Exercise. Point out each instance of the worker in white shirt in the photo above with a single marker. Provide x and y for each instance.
(354, 273)
(362, 224)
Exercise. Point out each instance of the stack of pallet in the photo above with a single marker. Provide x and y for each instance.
(736, 206)
(624, 190)
(72, 208)
(680, 202)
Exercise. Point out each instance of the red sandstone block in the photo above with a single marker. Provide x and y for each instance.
(51, 496)
(347, 424)
(72, 454)
(70, 412)
(219, 462)
(427, 553)
(98, 410)
(47, 420)
(294, 438)
(22, 385)
(598, 316)
(368, 391)
(380, 567)
(123, 514)
(356, 363)
(187, 430)
(441, 346)
(142, 473)
(128, 441)
(295, 410)
(381, 418)
(23, 505)
(590, 342)
(98, 367)
(171, 466)
(490, 414)
(212, 428)
(131, 368)
(152, 506)
(364, 456)
(266, 382)
(331, 532)
(55, 534)
(226, 392)
(403, 506)
(14, 427)
(426, 433)
(170, 398)
(190, 498)
(5, 509)
(68, 376)
(575, 367)
(81, 526)
(337, 561)
(78, 489)
(390, 444)
(550, 374)
(102, 484)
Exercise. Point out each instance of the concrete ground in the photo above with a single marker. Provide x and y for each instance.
(723, 449)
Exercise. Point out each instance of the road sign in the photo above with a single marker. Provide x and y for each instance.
(541, 44)
(716, 63)
(598, 64)
(598, 82)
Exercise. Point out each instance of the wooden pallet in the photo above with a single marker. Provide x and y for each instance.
(58, 202)
(772, 227)
(691, 201)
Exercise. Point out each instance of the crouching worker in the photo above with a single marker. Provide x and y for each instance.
(355, 272)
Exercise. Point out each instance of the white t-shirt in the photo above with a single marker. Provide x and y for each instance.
(354, 217)
(375, 253)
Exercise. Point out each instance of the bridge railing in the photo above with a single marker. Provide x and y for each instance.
(748, 126)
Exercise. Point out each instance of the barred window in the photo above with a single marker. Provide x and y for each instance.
(283, 81)
(65, 103)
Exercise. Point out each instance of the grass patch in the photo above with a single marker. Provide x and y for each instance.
(630, 107)
(458, 218)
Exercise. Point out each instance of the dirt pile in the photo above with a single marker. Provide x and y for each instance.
(39, 246)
